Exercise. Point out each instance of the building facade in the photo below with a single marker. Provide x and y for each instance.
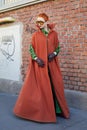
(70, 17)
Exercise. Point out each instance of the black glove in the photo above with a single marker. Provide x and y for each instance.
(40, 62)
(51, 56)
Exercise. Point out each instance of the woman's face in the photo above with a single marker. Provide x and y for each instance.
(41, 24)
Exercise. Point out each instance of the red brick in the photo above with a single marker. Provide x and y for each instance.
(76, 87)
(82, 88)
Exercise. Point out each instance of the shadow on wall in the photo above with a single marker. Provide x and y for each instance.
(9, 86)
(76, 99)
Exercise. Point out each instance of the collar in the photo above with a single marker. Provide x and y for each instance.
(50, 26)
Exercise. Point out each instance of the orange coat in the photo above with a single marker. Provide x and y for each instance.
(35, 101)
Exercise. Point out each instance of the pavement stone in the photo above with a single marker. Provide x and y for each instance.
(77, 121)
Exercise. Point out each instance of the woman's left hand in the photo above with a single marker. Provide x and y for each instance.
(51, 56)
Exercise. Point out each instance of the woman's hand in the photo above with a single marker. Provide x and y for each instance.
(40, 62)
(51, 56)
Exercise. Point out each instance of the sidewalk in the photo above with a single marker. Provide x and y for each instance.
(77, 121)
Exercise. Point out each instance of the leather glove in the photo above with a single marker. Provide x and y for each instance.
(51, 56)
(40, 62)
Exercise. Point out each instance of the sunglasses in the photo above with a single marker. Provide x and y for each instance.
(40, 22)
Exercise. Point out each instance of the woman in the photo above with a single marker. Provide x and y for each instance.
(42, 94)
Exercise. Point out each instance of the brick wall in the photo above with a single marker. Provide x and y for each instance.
(71, 19)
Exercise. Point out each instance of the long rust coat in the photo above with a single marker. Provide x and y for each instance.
(35, 101)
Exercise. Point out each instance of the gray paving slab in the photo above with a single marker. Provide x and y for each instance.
(77, 121)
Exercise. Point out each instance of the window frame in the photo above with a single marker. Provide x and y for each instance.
(19, 4)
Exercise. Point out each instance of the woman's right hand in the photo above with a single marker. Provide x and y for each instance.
(40, 62)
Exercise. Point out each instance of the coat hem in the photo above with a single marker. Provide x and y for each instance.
(35, 120)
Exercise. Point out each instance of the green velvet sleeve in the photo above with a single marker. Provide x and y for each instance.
(32, 52)
(57, 50)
